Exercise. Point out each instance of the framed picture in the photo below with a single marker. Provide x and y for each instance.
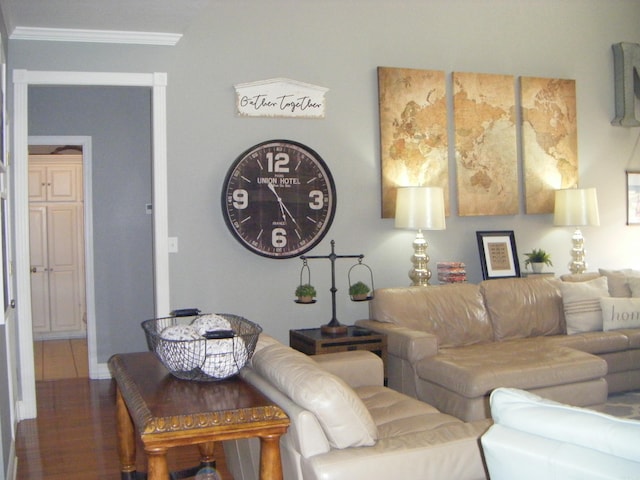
(498, 254)
(633, 198)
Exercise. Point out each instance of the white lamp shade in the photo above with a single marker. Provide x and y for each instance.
(420, 208)
(576, 207)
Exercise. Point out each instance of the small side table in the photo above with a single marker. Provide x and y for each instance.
(312, 341)
(165, 412)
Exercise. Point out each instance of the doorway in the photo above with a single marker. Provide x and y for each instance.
(22, 79)
(56, 231)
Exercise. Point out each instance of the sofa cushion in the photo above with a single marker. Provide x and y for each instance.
(581, 302)
(344, 418)
(597, 343)
(475, 370)
(523, 307)
(617, 282)
(454, 313)
(396, 414)
(634, 286)
(620, 313)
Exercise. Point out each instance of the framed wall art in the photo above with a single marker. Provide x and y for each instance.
(498, 254)
(485, 144)
(549, 140)
(633, 198)
(413, 132)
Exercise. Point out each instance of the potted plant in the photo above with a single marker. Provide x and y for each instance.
(537, 258)
(359, 291)
(305, 293)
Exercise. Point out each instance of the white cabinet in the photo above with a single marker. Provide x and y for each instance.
(56, 301)
(56, 250)
(59, 182)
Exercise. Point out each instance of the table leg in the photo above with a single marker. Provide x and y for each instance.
(126, 438)
(207, 457)
(270, 462)
(157, 467)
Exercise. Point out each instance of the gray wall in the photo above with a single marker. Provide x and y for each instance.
(118, 121)
(338, 45)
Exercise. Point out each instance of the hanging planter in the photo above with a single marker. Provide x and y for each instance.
(359, 291)
(306, 293)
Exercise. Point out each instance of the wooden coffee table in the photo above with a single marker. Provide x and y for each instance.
(168, 412)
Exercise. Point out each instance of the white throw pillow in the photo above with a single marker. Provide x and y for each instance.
(581, 302)
(634, 285)
(344, 417)
(620, 313)
(618, 281)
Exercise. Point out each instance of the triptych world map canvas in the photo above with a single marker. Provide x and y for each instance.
(414, 126)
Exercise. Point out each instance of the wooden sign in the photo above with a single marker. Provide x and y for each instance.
(280, 97)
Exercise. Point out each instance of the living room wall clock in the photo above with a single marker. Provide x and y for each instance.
(279, 199)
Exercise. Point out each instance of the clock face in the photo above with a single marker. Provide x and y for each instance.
(279, 199)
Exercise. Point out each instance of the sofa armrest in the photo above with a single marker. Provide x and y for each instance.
(357, 368)
(411, 345)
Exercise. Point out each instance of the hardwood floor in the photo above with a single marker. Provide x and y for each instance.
(58, 359)
(74, 436)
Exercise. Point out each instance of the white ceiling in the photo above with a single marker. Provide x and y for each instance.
(157, 16)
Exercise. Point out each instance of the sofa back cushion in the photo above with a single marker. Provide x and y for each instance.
(454, 313)
(523, 307)
(344, 417)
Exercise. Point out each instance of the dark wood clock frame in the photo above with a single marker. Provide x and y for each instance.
(279, 199)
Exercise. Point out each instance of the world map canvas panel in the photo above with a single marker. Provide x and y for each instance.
(485, 144)
(413, 132)
(549, 140)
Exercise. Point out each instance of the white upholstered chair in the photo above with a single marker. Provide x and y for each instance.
(535, 438)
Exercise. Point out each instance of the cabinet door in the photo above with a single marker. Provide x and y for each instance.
(63, 183)
(55, 183)
(39, 269)
(37, 183)
(64, 298)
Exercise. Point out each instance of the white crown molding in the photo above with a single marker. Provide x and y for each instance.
(94, 36)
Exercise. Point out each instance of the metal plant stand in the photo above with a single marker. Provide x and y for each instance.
(334, 327)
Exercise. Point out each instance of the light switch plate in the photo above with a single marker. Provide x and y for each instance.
(173, 245)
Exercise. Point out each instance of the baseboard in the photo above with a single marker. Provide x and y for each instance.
(43, 337)
(101, 373)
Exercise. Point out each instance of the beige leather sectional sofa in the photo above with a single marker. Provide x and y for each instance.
(346, 425)
(451, 345)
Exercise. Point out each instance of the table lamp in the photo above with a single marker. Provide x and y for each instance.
(420, 208)
(576, 207)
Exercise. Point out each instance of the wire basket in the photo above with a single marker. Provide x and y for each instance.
(207, 347)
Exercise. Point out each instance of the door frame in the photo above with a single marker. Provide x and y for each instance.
(22, 79)
(87, 218)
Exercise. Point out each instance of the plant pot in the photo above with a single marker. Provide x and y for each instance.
(537, 267)
(360, 297)
(305, 299)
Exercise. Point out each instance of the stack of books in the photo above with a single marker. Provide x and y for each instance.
(452, 272)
